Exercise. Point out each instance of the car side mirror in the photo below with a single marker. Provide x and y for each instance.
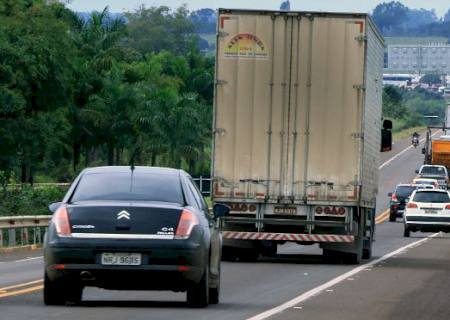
(54, 206)
(220, 210)
(417, 171)
(390, 194)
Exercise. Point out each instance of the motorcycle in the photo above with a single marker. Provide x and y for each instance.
(415, 141)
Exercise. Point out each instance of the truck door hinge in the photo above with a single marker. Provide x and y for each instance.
(359, 87)
(221, 82)
(220, 131)
(361, 38)
(222, 34)
(357, 135)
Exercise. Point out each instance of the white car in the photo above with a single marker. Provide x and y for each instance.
(428, 210)
(431, 182)
(437, 172)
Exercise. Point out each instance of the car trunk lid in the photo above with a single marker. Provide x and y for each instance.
(124, 220)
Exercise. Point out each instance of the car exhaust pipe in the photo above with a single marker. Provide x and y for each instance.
(86, 276)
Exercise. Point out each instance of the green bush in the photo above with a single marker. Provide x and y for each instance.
(28, 200)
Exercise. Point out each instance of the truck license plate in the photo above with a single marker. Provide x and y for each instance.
(121, 259)
(285, 210)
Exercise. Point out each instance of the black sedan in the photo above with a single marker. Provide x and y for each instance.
(127, 228)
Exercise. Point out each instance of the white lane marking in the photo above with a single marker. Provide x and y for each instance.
(27, 259)
(313, 292)
(402, 152)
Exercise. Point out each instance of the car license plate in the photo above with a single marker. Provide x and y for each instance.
(285, 210)
(430, 211)
(121, 259)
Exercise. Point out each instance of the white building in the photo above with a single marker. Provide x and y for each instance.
(420, 59)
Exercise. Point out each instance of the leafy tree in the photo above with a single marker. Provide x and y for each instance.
(204, 21)
(393, 106)
(35, 60)
(157, 29)
(431, 78)
(388, 15)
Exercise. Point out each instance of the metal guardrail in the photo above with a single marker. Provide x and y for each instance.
(22, 230)
(16, 222)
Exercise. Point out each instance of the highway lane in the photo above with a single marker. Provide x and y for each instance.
(247, 288)
(411, 285)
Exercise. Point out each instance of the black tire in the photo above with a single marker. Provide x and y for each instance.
(198, 294)
(367, 251)
(60, 292)
(392, 218)
(248, 255)
(352, 258)
(406, 233)
(270, 250)
(214, 293)
(367, 254)
(330, 256)
(229, 254)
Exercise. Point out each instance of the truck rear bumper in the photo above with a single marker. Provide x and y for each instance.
(293, 237)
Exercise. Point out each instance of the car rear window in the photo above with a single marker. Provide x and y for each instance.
(437, 171)
(127, 187)
(433, 197)
(431, 183)
(404, 191)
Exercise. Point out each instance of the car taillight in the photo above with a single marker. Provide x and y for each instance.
(187, 222)
(394, 198)
(411, 205)
(61, 221)
(447, 207)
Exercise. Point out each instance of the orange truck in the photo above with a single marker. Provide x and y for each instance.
(440, 151)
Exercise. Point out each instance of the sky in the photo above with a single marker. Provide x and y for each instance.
(441, 6)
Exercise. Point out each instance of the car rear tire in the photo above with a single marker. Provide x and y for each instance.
(406, 232)
(198, 294)
(60, 292)
(214, 292)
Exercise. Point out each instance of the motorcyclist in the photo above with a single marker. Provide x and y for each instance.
(415, 138)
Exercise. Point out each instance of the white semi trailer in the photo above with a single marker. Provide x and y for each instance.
(297, 131)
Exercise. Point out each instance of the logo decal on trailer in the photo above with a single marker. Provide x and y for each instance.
(246, 45)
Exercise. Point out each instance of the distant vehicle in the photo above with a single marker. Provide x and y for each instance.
(400, 197)
(280, 160)
(437, 149)
(437, 172)
(427, 211)
(398, 80)
(137, 228)
(424, 181)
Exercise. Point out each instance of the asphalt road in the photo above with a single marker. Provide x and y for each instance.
(248, 289)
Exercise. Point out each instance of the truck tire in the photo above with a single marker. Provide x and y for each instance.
(352, 258)
(269, 250)
(330, 256)
(229, 254)
(248, 255)
(367, 250)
